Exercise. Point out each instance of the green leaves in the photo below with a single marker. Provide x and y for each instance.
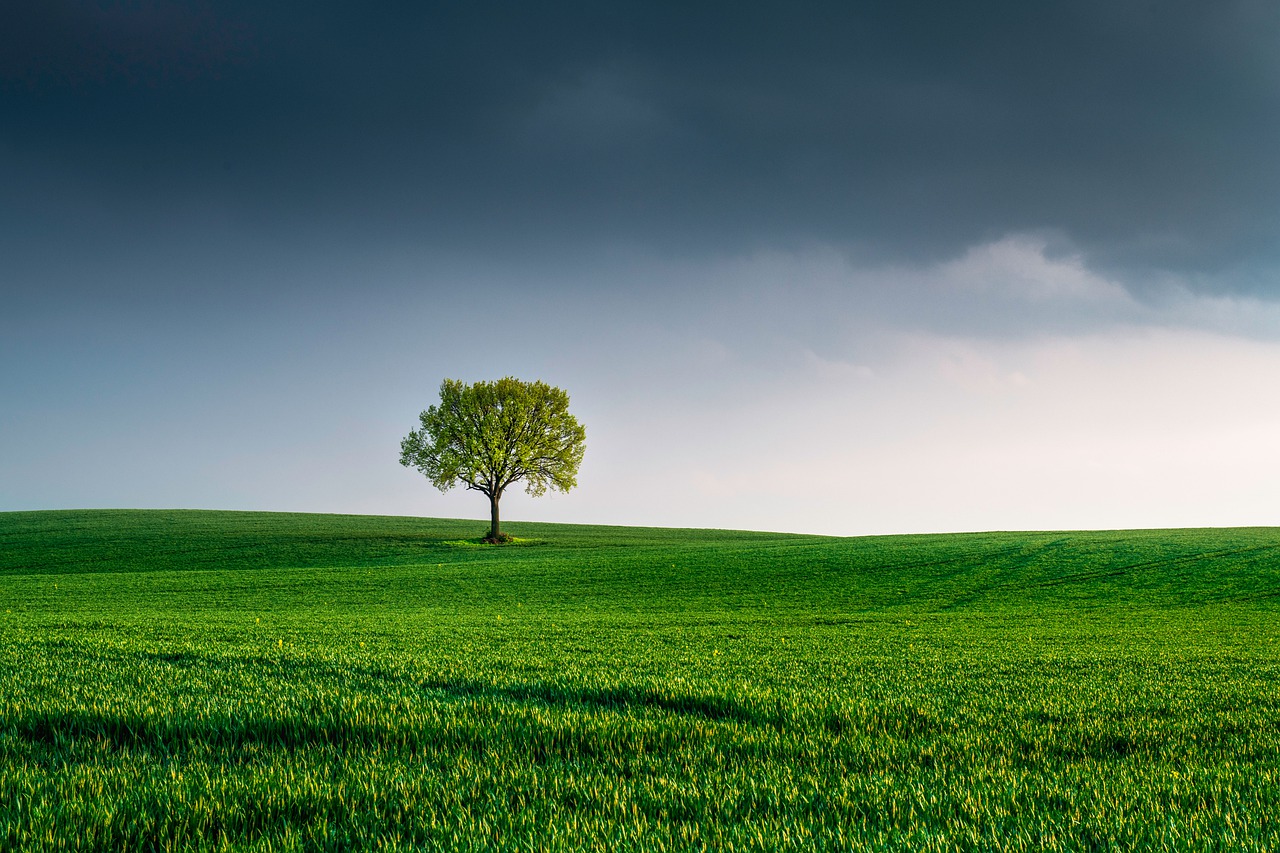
(490, 435)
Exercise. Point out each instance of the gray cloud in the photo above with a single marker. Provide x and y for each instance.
(1145, 133)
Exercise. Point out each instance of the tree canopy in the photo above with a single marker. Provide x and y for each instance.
(490, 435)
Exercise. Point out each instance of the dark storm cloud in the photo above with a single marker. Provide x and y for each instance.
(1145, 133)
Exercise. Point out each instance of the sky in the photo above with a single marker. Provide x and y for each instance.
(815, 267)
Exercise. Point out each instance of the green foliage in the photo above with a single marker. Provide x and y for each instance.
(490, 435)
(191, 680)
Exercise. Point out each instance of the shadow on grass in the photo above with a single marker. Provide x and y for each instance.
(624, 699)
(58, 739)
(619, 699)
(468, 716)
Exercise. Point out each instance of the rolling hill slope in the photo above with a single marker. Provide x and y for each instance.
(660, 567)
(188, 679)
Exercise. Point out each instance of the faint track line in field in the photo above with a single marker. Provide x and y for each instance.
(1004, 575)
(1082, 577)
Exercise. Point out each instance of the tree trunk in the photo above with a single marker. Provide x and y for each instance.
(494, 531)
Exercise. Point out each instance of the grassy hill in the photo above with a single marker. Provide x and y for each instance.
(172, 679)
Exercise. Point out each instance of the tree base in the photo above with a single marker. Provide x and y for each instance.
(500, 539)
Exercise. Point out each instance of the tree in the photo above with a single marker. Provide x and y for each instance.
(490, 435)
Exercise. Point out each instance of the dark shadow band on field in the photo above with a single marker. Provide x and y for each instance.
(72, 736)
(76, 736)
(618, 699)
(622, 698)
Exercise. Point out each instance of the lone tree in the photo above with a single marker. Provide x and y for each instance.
(492, 434)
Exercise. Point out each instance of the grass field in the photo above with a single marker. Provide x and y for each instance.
(188, 680)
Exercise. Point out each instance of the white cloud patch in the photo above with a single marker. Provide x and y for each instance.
(835, 370)
(1018, 267)
(1012, 387)
(1023, 286)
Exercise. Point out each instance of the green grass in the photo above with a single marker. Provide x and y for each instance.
(211, 680)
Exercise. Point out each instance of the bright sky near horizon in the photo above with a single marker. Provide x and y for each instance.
(829, 267)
